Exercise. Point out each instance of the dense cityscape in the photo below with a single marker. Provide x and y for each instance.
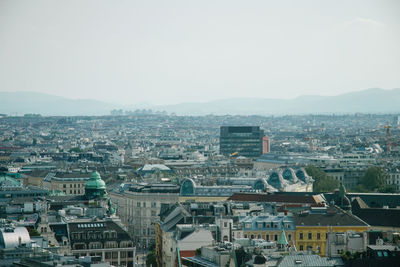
(206, 133)
(148, 188)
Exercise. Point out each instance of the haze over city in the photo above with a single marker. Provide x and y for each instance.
(168, 52)
(199, 133)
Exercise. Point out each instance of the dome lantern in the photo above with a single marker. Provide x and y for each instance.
(95, 186)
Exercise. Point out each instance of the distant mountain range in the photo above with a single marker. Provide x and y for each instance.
(373, 100)
(19, 103)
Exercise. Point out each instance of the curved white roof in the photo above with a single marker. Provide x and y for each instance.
(12, 237)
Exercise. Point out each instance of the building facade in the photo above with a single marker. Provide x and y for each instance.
(312, 229)
(337, 243)
(268, 227)
(104, 238)
(68, 183)
(139, 210)
(394, 178)
(244, 141)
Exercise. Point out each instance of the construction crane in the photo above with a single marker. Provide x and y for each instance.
(234, 154)
(310, 142)
(388, 145)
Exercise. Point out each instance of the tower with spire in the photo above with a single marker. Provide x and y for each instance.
(282, 240)
(342, 200)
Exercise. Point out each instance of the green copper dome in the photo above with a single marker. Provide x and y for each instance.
(95, 187)
(95, 182)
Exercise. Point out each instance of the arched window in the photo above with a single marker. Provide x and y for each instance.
(95, 245)
(187, 187)
(110, 244)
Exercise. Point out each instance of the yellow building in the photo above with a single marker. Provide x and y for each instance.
(312, 229)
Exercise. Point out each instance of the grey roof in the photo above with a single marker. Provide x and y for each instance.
(65, 176)
(308, 260)
(174, 213)
(174, 217)
(172, 223)
(201, 261)
(98, 226)
(331, 218)
(376, 216)
(13, 237)
(153, 167)
(383, 247)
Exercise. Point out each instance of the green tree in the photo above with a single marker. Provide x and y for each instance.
(75, 149)
(33, 232)
(242, 256)
(151, 259)
(198, 252)
(322, 182)
(388, 189)
(361, 189)
(374, 179)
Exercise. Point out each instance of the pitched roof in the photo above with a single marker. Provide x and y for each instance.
(335, 217)
(306, 260)
(100, 226)
(252, 197)
(173, 218)
(376, 216)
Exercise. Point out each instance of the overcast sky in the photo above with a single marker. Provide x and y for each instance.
(165, 52)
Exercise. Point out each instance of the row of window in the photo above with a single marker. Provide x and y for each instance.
(75, 185)
(144, 243)
(137, 213)
(94, 235)
(109, 255)
(309, 248)
(310, 236)
(145, 231)
(90, 225)
(261, 225)
(268, 237)
(99, 245)
(75, 191)
(143, 204)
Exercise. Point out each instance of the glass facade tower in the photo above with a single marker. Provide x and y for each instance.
(241, 141)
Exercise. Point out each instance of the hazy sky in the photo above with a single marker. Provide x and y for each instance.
(177, 51)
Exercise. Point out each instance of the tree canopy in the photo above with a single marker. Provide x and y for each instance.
(33, 232)
(322, 181)
(242, 256)
(151, 259)
(374, 180)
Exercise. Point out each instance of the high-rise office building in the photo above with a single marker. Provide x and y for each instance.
(241, 141)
